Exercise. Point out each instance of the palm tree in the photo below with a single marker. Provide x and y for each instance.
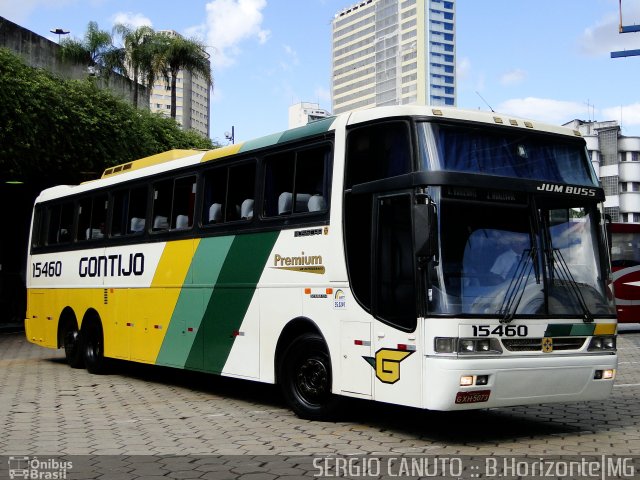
(178, 53)
(96, 51)
(137, 50)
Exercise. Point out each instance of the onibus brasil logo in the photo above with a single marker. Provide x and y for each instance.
(34, 468)
(386, 363)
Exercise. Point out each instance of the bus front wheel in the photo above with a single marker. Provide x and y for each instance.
(305, 378)
(93, 347)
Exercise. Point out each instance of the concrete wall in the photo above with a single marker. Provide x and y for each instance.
(41, 52)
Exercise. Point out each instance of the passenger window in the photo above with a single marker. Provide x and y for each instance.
(184, 196)
(129, 211)
(173, 203)
(162, 193)
(229, 194)
(297, 181)
(378, 151)
(92, 216)
(60, 223)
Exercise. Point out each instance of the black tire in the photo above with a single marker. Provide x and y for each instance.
(72, 344)
(93, 347)
(305, 378)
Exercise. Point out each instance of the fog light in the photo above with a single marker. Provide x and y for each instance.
(482, 379)
(597, 375)
(466, 380)
(608, 374)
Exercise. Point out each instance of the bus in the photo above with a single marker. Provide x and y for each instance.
(431, 257)
(625, 263)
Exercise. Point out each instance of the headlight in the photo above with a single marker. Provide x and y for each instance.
(467, 346)
(602, 343)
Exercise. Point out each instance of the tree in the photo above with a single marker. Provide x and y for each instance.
(65, 131)
(96, 51)
(178, 53)
(138, 47)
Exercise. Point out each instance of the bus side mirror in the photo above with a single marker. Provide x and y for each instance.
(425, 218)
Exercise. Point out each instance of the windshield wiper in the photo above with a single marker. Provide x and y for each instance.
(564, 273)
(515, 290)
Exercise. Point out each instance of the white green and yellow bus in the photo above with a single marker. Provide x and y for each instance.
(431, 257)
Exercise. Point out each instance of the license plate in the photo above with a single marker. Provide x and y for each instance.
(473, 397)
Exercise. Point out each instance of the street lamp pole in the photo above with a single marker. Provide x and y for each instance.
(231, 136)
(59, 32)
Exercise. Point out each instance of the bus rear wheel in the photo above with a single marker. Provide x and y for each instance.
(73, 347)
(93, 347)
(306, 379)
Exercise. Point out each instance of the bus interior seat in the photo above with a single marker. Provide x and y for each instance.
(160, 223)
(317, 203)
(246, 210)
(182, 222)
(215, 213)
(137, 224)
(93, 233)
(285, 201)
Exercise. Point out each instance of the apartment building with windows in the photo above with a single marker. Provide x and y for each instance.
(616, 160)
(193, 99)
(393, 52)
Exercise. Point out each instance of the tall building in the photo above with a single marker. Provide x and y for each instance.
(394, 52)
(304, 112)
(193, 99)
(616, 160)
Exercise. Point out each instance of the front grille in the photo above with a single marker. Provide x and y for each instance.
(535, 344)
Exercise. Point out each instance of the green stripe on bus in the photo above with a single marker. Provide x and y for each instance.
(204, 271)
(569, 330)
(313, 128)
(229, 301)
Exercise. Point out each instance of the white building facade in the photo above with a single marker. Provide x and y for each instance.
(394, 52)
(616, 160)
(304, 112)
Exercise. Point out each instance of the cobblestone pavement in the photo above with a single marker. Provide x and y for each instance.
(48, 409)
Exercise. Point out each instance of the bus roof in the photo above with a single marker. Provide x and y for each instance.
(181, 158)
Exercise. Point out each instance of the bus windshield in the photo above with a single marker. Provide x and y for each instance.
(513, 260)
(519, 154)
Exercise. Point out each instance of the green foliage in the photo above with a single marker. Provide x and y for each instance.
(66, 131)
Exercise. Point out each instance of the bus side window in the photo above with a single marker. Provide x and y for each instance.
(137, 211)
(162, 195)
(297, 181)
(241, 192)
(184, 195)
(378, 151)
(214, 196)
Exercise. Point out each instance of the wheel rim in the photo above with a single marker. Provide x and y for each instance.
(312, 380)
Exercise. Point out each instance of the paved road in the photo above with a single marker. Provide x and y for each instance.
(48, 409)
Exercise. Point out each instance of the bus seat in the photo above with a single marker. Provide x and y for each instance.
(302, 202)
(160, 223)
(137, 224)
(93, 233)
(317, 203)
(182, 222)
(246, 209)
(284, 203)
(215, 213)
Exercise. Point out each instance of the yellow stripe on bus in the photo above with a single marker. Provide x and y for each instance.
(222, 152)
(605, 329)
(152, 307)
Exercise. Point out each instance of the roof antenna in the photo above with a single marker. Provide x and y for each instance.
(487, 103)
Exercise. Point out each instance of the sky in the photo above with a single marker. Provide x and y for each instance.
(547, 60)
